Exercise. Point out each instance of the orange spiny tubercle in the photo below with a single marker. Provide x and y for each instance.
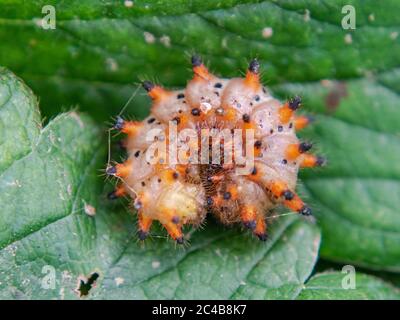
(293, 151)
(144, 225)
(253, 75)
(301, 122)
(200, 71)
(249, 215)
(154, 91)
(117, 193)
(296, 204)
(260, 229)
(174, 231)
(310, 161)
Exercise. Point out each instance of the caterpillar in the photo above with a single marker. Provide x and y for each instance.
(256, 127)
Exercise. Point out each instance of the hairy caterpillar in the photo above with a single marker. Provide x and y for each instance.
(177, 193)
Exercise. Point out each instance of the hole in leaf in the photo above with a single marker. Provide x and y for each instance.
(86, 284)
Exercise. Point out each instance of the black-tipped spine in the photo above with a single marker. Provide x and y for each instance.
(262, 236)
(119, 123)
(111, 171)
(295, 103)
(305, 146)
(305, 211)
(321, 161)
(148, 85)
(288, 195)
(196, 60)
(310, 118)
(142, 235)
(195, 112)
(251, 224)
(254, 66)
(112, 195)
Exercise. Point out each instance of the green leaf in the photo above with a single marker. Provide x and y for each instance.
(218, 265)
(99, 49)
(356, 196)
(55, 223)
(94, 58)
(43, 187)
(19, 125)
(328, 286)
(48, 164)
